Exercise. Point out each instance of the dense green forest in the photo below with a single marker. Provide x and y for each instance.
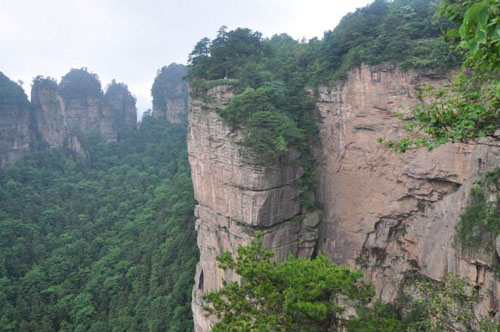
(106, 242)
(103, 243)
(405, 31)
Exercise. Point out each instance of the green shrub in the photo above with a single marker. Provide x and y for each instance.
(480, 222)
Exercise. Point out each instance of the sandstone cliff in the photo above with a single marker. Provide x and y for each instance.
(77, 106)
(238, 196)
(395, 214)
(170, 94)
(390, 214)
(59, 115)
(15, 122)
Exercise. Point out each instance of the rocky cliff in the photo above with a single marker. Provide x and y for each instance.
(59, 115)
(238, 196)
(396, 214)
(170, 94)
(389, 214)
(77, 106)
(15, 122)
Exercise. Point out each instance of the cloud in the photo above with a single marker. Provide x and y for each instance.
(130, 39)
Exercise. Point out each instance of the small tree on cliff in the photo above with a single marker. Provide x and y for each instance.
(295, 295)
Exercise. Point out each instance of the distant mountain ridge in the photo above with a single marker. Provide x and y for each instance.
(60, 115)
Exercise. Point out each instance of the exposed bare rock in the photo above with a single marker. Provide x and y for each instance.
(14, 133)
(237, 196)
(49, 112)
(388, 213)
(77, 106)
(170, 94)
(14, 122)
(119, 111)
(395, 213)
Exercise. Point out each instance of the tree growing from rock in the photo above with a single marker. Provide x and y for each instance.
(296, 295)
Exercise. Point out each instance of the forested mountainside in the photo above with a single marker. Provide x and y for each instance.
(294, 150)
(105, 243)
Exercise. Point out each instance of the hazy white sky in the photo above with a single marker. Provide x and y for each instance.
(130, 39)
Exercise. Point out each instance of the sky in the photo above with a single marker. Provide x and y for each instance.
(129, 40)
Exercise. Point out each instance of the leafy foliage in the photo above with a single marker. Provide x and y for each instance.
(399, 31)
(114, 88)
(480, 222)
(42, 81)
(444, 306)
(295, 295)
(380, 317)
(468, 109)
(227, 54)
(104, 245)
(308, 295)
(11, 93)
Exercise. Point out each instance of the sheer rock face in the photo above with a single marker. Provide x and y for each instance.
(174, 108)
(390, 214)
(119, 112)
(237, 196)
(50, 113)
(170, 94)
(61, 120)
(395, 214)
(14, 132)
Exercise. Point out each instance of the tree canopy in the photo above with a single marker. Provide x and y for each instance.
(11, 93)
(468, 108)
(295, 295)
(305, 295)
(104, 244)
(80, 84)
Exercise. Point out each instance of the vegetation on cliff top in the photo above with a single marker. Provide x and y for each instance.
(169, 83)
(271, 76)
(102, 245)
(80, 84)
(468, 108)
(11, 93)
(404, 31)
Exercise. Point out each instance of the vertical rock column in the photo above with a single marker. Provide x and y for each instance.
(238, 196)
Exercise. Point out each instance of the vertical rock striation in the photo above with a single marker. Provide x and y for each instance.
(170, 94)
(59, 115)
(119, 111)
(238, 196)
(396, 214)
(390, 214)
(15, 118)
(77, 106)
(49, 112)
